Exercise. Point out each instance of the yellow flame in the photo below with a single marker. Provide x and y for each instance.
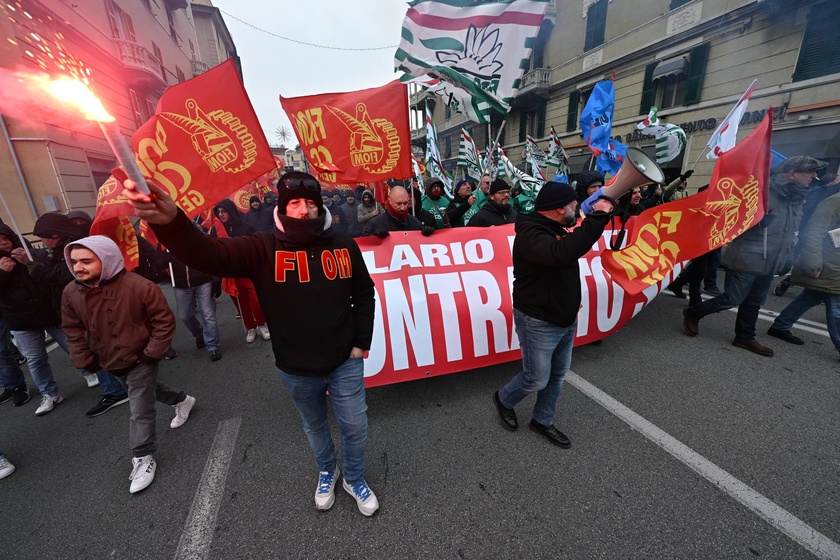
(75, 93)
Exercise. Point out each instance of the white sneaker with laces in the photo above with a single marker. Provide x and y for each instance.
(143, 473)
(251, 336)
(6, 468)
(47, 404)
(364, 496)
(91, 379)
(182, 412)
(325, 492)
(263, 330)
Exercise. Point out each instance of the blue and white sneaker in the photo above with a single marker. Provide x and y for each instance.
(325, 493)
(365, 498)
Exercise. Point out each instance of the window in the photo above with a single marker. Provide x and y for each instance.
(447, 151)
(171, 17)
(180, 75)
(572, 115)
(677, 3)
(148, 4)
(159, 57)
(121, 25)
(150, 108)
(819, 54)
(447, 111)
(596, 22)
(532, 123)
(674, 81)
(139, 117)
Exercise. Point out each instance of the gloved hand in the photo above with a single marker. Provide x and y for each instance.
(381, 233)
(216, 288)
(427, 230)
(767, 220)
(687, 174)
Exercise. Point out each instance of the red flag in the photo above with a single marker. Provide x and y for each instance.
(684, 229)
(203, 143)
(355, 136)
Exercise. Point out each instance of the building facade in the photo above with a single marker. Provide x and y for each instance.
(692, 59)
(130, 50)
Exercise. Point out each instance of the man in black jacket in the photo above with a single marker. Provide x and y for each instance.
(397, 216)
(313, 284)
(497, 211)
(546, 300)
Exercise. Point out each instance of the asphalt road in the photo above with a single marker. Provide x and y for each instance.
(682, 448)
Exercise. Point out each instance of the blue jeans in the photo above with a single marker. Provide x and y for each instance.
(346, 385)
(109, 384)
(11, 376)
(745, 290)
(806, 300)
(33, 345)
(712, 264)
(546, 357)
(186, 300)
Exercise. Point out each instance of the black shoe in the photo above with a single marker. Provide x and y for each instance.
(199, 342)
(21, 396)
(787, 336)
(106, 403)
(215, 355)
(675, 289)
(691, 323)
(552, 434)
(506, 415)
(6, 395)
(171, 354)
(753, 346)
(781, 288)
(20, 359)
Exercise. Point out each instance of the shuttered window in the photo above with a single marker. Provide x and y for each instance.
(664, 90)
(596, 23)
(677, 3)
(819, 54)
(696, 73)
(572, 115)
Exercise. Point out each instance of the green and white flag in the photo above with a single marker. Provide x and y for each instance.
(459, 100)
(557, 155)
(468, 156)
(480, 46)
(534, 152)
(521, 180)
(670, 139)
(434, 167)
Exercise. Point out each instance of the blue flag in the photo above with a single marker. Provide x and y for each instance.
(596, 118)
(610, 160)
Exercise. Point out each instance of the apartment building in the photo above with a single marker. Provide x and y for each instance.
(131, 50)
(693, 59)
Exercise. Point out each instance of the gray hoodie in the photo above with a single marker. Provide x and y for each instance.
(103, 247)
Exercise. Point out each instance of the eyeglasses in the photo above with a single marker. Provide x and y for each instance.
(294, 183)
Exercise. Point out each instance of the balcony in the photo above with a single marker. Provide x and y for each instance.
(533, 88)
(416, 98)
(144, 69)
(199, 67)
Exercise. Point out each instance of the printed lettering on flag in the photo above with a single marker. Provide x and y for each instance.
(354, 136)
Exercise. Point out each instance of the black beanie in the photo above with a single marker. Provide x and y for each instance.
(253, 199)
(284, 195)
(498, 185)
(554, 195)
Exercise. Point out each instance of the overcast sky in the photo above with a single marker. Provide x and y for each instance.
(273, 66)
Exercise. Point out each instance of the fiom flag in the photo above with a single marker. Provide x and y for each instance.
(481, 47)
(670, 138)
(725, 135)
(356, 136)
(597, 116)
(687, 228)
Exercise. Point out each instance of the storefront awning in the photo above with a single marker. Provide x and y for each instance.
(671, 67)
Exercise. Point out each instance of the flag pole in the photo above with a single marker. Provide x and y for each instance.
(698, 158)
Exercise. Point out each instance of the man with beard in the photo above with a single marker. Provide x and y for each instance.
(753, 258)
(368, 209)
(351, 213)
(546, 300)
(464, 199)
(497, 211)
(397, 216)
(435, 202)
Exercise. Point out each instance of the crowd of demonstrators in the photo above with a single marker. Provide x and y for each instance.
(497, 210)
(118, 320)
(756, 256)
(258, 214)
(245, 299)
(546, 300)
(369, 208)
(461, 202)
(482, 193)
(676, 189)
(303, 310)
(333, 209)
(426, 218)
(435, 202)
(350, 209)
(396, 217)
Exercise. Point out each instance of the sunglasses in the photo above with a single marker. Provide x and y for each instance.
(295, 183)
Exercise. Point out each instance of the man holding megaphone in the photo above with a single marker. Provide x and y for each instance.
(638, 169)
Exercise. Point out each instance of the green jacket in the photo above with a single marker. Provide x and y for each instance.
(816, 251)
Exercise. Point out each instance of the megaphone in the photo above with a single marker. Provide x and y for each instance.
(637, 170)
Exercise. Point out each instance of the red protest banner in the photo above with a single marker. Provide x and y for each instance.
(354, 137)
(684, 229)
(444, 303)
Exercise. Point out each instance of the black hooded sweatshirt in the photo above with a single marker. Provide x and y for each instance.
(24, 304)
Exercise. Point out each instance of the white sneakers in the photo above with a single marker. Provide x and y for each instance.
(91, 379)
(182, 412)
(6, 468)
(364, 496)
(325, 492)
(263, 330)
(251, 336)
(142, 474)
(47, 404)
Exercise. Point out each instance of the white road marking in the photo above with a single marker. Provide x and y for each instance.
(805, 535)
(201, 521)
